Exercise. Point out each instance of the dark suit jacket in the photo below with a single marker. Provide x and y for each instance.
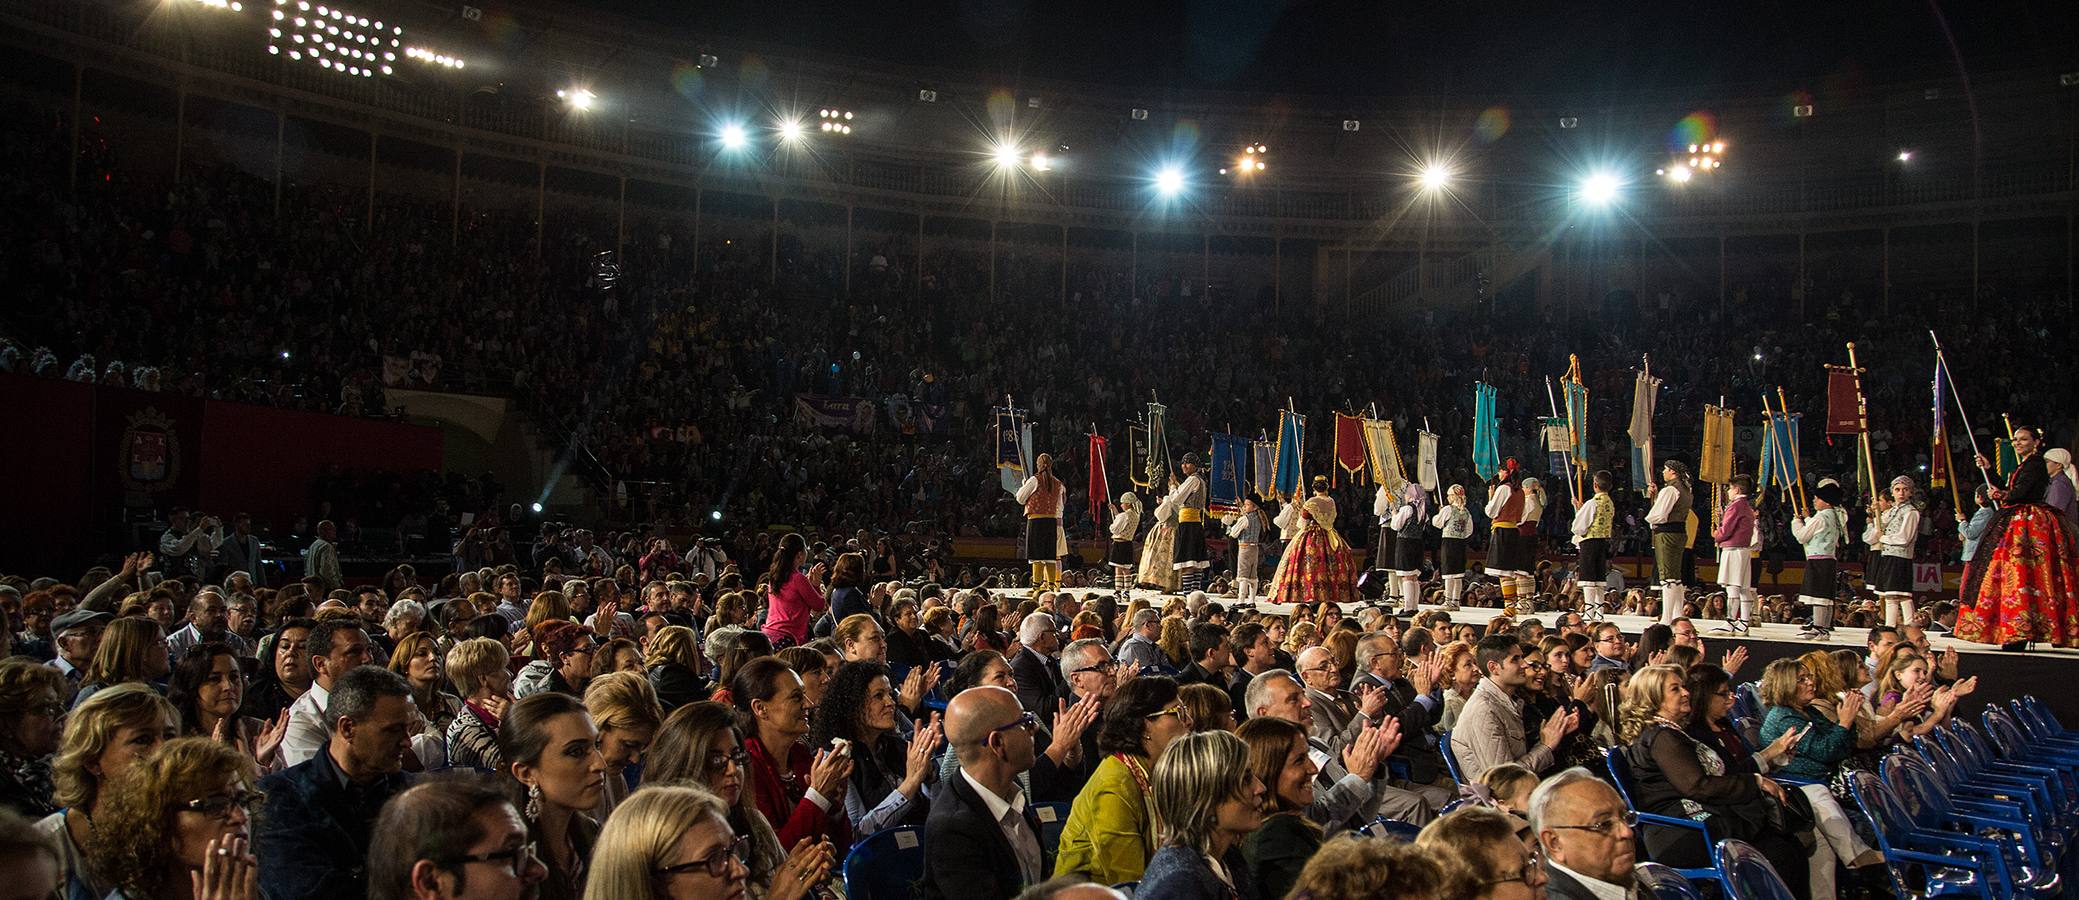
(1037, 688)
(1418, 746)
(968, 858)
(1561, 886)
(313, 835)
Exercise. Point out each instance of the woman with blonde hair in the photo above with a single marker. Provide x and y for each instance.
(104, 737)
(1175, 642)
(625, 709)
(133, 650)
(1207, 800)
(178, 824)
(671, 841)
(480, 670)
(1304, 634)
(1461, 676)
(1675, 775)
(672, 663)
(702, 745)
(418, 659)
(1482, 850)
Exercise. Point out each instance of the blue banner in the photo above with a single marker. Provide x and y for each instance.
(1292, 433)
(1486, 433)
(1013, 448)
(1779, 451)
(1265, 468)
(1226, 484)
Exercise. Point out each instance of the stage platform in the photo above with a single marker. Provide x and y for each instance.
(2001, 674)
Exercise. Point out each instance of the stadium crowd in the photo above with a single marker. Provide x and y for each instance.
(630, 717)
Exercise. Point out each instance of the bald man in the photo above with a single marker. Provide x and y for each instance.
(983, 836)
(1580, 822)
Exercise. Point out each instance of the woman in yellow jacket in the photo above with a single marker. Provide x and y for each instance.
(1110, 832)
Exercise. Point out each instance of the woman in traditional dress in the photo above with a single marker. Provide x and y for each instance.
(1318, 565)
(1158, 552)
(2028, 588)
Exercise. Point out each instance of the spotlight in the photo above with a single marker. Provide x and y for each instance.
(578, 98)
(1905, 156)
(733, 137)
(1169, 181)
(716, 515)
(1435, 176)
(1006, 154)
(536, 507)
(1041, 162)
(1680, 176)
(790, 130)
(285, 354)
(1600, 189)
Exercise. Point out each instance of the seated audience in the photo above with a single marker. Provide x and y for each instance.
(1486, 852)
(133, 651)
(556, 771)
(314, 832)
(1109, 835)
(479, 668)
(626, 712)
(672, 663)
(1354, 867)
(889, 770)
(1279, 756)
(1586, 835)
(801, 791)
(452, 837)
(701, 744)
(1208, 800)
(32, 715)
(104, 738)
(983, 834)
(672, 841)
(180, 820)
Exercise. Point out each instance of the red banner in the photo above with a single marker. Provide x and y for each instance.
(1349, 443)
(1842, 402)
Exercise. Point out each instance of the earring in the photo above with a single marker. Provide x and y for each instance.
(533, 802)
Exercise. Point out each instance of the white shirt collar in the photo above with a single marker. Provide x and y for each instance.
(997, 805)
(1600, 888)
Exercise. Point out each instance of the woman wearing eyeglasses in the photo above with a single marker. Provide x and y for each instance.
(670, 841)
(1675, 775)
(1109, 835)
(1483, 851)
(31, 719)
(1805, 744)
(700, 745)
(177, 826)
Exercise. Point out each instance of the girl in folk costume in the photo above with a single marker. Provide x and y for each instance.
(2027, 588)
(1507, 557)
(1383, 505)
(1894, 528)
(1527, 528)
(1456, 524)
(1317, 566)
(1160, 548)
(1042, 494)
(1407, 544)
(1591, 528)
(1245, 525)
(1126, 519)
(1736, 536)
(1669, 519)
(1821, 535)
(1189, 496)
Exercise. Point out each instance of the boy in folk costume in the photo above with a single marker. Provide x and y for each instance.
(1506, 553)
(1894, 528)
(1735, 538)
(1126, 519)
(1821, 535)
(1042, 495)
(1407, 545)
(1383, 505)
(1527, 548)
(1246, 527)
(1669, 519)
(1456, 524)
(1189, 496)
(1591, 529)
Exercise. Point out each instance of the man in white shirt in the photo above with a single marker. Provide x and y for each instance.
(983, 836)
(1586, 832)
(336, 646)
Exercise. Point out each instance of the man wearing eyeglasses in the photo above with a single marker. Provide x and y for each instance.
(1351, 786)
(983, 836)
(1611, 650)
(1586, 832)
(453, 839)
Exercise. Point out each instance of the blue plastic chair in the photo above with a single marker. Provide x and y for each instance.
(886, 866)
(1926, 865)
(1620, 774)
(1747, 702)
(1391, 829)
(1450, 758)
(1663, 883)
(2030, 861)
(1751, 874)
(1052, 818)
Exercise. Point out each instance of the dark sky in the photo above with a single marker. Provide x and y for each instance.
(1443, 47)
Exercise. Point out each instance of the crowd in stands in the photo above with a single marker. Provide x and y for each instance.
(692, 723)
